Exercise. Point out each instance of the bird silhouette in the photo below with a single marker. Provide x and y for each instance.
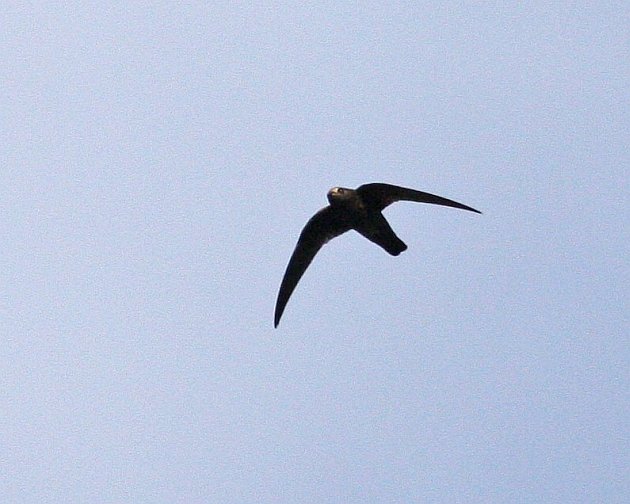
(359, 209)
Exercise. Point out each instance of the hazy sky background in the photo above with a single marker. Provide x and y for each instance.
(159, 161)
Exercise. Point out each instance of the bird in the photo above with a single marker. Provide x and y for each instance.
(359, 209)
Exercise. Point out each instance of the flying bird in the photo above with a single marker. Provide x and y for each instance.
(359, 209)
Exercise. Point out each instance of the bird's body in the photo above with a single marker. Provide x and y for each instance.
(359, 209)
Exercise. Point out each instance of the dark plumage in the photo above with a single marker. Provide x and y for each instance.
(359, 209)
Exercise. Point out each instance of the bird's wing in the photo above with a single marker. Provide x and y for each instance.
(321, 228)
(379, 196)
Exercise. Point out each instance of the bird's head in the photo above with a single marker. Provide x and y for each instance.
(340, 195)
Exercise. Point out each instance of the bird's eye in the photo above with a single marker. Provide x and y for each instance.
(340, 190)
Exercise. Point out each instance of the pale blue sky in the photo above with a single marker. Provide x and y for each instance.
(159, 161)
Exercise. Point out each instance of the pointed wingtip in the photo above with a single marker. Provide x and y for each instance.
(471, 209)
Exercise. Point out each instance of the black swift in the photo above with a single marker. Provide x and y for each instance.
(359, 209)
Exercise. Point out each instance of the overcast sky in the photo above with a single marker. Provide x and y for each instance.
(159, 161)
